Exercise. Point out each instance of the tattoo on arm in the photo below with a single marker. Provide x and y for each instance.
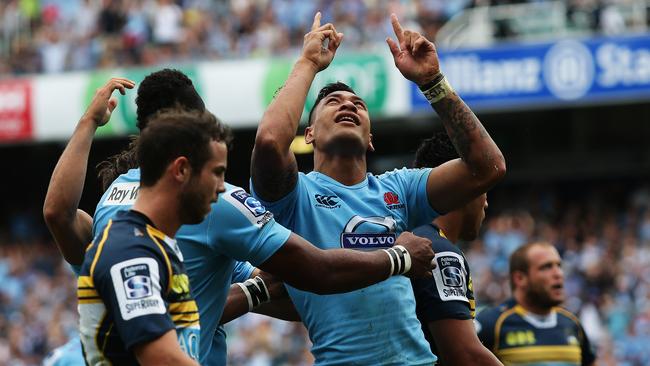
(465, 129)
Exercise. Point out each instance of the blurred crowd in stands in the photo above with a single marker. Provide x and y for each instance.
(63, 35)
(602, 232)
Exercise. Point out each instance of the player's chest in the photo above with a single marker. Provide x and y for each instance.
(522, 334)
(356, 219)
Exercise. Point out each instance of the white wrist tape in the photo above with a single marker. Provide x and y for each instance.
(400, 260)
(438, 91)
(256, 292)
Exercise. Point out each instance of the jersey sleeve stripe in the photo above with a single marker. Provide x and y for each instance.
(183, 307)
(155, 234)
(541, 354)
(100, 246)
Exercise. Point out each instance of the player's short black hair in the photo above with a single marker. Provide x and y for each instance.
(435, 151)
(327, 90)
(173, 133)
(166, 88)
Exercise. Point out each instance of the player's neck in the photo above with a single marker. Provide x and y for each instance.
(449, 225)
(348, 170)
(161, 208)
(530, 306)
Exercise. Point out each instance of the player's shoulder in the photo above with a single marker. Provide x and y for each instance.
(439, 242)
(127, 235)
(399, 173)
(491, 315)
(567, 316)
(236, 203)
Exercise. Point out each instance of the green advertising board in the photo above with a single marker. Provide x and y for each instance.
(366, 74)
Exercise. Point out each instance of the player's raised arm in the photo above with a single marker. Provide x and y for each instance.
(273, 166)
(71, 227)
(481, 164)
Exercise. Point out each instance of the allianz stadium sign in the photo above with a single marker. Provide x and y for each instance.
(566, 72)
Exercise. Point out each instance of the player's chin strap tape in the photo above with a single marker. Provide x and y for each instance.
(437, 89)
(256, 292)
(400, 260)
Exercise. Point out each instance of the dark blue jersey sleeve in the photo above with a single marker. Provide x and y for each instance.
(448, 294)
(485, 323)
(588, 354)
(131, 284)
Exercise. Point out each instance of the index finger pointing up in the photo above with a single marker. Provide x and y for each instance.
(316, 23)
(399, 32)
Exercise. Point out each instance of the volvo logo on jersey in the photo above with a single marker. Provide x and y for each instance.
(391, 199)
(327, 201)
(367, 233)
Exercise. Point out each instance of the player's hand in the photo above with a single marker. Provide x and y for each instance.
(421, 254)
(414, 55)
(313, 48)
(102, 105)
(274, 285)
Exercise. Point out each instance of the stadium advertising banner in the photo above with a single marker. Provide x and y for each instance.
(15, 110)
(238, 92)
(565, 72)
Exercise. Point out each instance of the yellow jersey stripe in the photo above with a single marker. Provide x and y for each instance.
(85, 282)
(183, 307)
(497, 328)
(567, 314)
(193, 317)
(154, 233)
(87, 293)
(540, 354)
(100, 247)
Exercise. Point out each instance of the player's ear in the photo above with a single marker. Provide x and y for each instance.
(309, 135)
(371, 148)
(519, 278)
(181, 169)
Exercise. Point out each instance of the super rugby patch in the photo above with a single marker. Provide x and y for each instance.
(137, 287)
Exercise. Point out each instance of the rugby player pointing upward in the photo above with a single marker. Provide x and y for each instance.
(376, 325)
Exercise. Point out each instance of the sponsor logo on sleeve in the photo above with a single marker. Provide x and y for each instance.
(137, 287)
(450, 277)
(122, 194)
(249, 206)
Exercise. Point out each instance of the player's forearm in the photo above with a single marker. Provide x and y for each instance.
(280, 121)
(70, 227)
(473, 143)
(341, 270)
(67, 181)
(236, 305)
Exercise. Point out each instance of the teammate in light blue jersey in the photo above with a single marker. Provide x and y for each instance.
(340, 205)
(238, 227)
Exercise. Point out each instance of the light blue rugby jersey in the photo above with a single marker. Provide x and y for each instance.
(237, 228)
(376, 325)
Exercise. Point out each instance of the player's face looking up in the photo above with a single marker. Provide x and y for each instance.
(340, 124)
(544, 283)
(203, 187)
(473, 216)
